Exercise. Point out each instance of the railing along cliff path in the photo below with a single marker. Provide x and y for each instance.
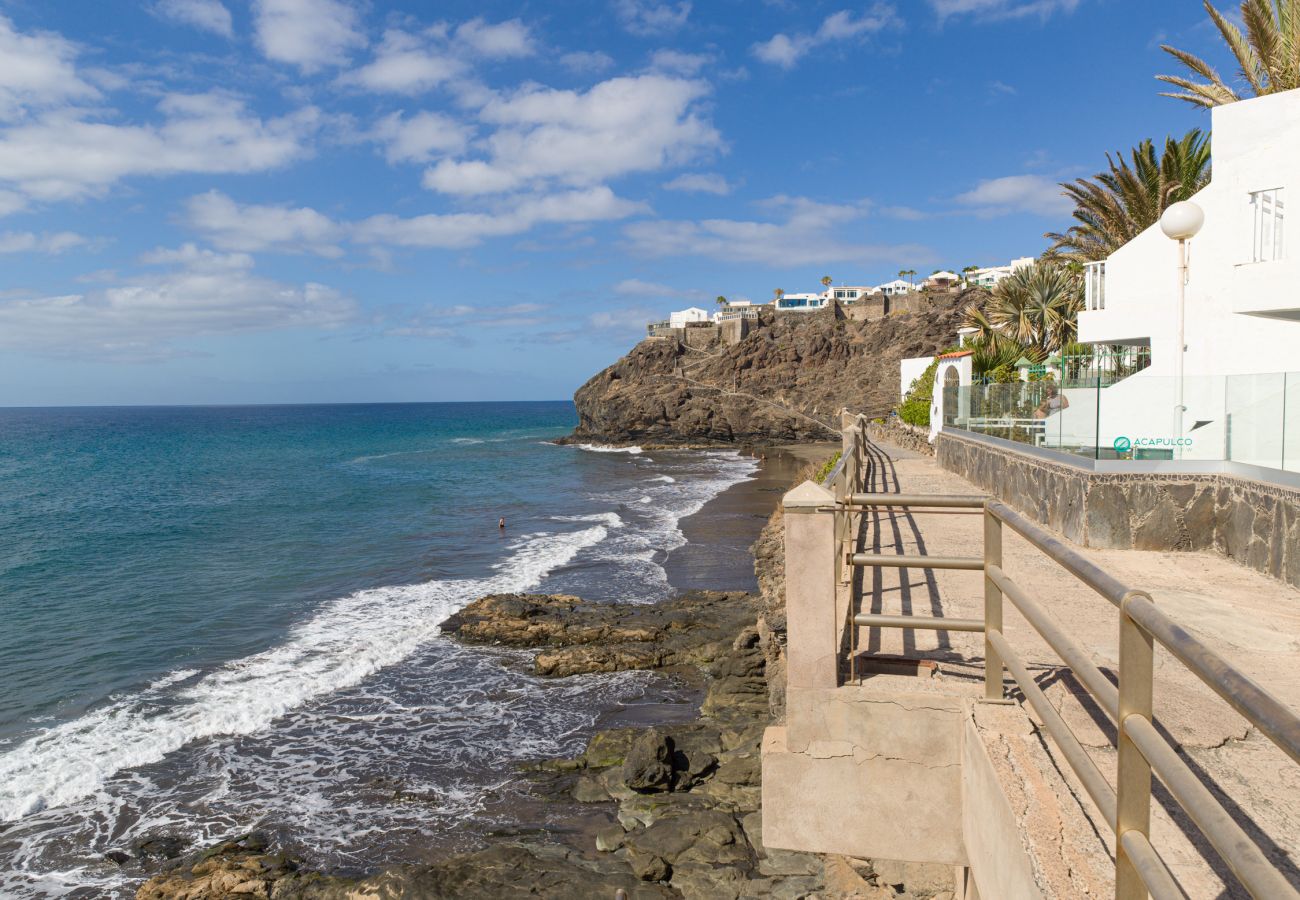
(1139, 870)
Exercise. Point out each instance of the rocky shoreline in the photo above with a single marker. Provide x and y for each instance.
(668, 810)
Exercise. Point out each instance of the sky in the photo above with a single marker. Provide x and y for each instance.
(283, 201)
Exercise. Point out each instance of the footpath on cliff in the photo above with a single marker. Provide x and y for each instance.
(1250, 619)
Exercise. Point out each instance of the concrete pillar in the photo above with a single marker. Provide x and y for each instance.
(813, 631)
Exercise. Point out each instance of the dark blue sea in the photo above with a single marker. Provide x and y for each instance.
(218, 619)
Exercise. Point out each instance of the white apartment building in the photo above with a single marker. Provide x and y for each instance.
(894, 288)
(849, 295)
(800, 302)
(989, 277)
(683, 317)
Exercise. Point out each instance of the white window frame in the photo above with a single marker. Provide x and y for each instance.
(1267, 217)
(1094, 281)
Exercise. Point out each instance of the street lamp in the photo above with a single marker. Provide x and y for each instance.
(1181, 222)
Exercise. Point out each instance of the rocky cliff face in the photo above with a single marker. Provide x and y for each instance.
(784, 382)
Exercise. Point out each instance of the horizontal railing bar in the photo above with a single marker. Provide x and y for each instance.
(924, 623)
(1245, 859)
(1260, 708)
(1085, 569)
(892, 561)
(1093, 781)
(1155, 875)
(1097, 684)
(958, 500)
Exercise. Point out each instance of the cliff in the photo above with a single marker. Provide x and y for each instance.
(783, 382)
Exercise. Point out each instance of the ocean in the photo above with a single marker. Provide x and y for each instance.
(220, 619)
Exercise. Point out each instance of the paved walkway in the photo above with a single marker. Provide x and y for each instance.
(1252, 620)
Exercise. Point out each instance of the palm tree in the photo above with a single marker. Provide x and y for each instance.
(1115, 206)
(826, 281)
(1036, 307)
(966, 273)
(1268, 54)
(778, 293)
(720, 300)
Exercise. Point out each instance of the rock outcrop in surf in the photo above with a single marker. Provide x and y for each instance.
(782, 382)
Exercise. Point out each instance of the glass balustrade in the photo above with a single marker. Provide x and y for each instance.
(1252, 419)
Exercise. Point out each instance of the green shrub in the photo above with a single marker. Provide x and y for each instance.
(827, 468)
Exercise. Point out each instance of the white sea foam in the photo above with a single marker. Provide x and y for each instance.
(467, 440)
(606, 448)
(343, 643)
(666, 479)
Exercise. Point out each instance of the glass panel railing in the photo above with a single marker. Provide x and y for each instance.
(1291, 423)
(1256, 408)
(1140, 418)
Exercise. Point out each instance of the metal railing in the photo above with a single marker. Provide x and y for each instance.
(1139, 870)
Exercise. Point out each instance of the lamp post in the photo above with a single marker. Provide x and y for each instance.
(1181, 222)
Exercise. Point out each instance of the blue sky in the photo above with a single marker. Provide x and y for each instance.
(267, 201)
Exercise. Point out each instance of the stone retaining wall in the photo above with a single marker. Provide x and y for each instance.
(900, 434)
(1255, 523)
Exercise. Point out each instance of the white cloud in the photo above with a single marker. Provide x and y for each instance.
(504, 40)
(995, 10)
(407, 63)
(420, 137)
(11, 203)
(1016, 193)
(201, 293)
(678, 63)
(30, 242)
(252, 227)
(470, 177)
(66, 154)
(208, 15)
(649, 17)
(586, 61)
(619, 126)
(786, 50)
(458, 230)
(699, 183)
(309, 34)
(808, 233)
(36, 71)
(635, 287)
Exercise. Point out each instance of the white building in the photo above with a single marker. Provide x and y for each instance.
(683, 317)
(850, 294)
(1241, 314)
(989, 277)
(941, 281)
(894, 288)
(800, 302)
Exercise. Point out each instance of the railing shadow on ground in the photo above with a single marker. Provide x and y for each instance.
(1218, 827)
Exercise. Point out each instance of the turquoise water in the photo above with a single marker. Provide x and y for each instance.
(219, 618)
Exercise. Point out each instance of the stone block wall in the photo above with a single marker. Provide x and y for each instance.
(897, 432)
(1253, 522)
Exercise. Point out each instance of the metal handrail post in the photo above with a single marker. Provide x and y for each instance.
(1133, 780)
(992, 606)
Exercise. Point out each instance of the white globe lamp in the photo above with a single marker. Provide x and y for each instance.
(1182, 220)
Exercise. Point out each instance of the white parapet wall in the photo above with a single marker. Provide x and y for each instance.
(909, 370)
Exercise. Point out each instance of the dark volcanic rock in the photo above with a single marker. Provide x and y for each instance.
(780, 383)
(649, 764)
(581, 637)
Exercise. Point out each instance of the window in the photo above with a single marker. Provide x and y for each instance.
(1267, 212)
(1095, 284)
